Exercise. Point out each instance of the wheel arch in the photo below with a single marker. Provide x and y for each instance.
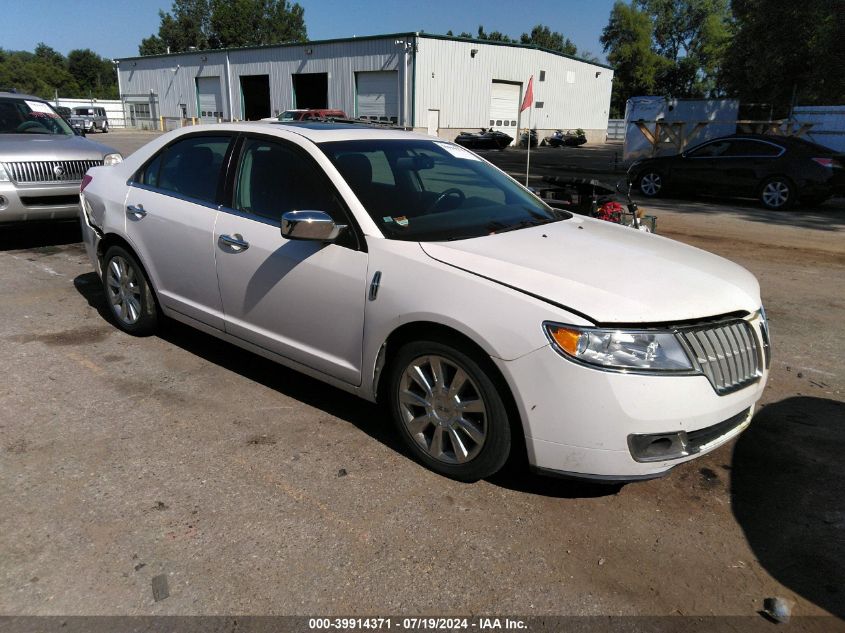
(113, 239)
(438, 332)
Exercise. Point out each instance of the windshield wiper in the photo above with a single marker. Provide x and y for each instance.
(522, 224)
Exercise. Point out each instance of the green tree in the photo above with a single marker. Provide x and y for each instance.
(627, 40)
(203, 24)
(94, 74)
(693, 36)
(544, 37)
(783, 51)
(42, 74)
(493, 36)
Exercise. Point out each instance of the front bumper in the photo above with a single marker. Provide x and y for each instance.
(21, 203)
(589, 423)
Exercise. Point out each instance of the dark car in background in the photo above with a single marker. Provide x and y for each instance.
(777, 170)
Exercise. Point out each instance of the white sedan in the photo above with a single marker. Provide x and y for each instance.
(408, 270)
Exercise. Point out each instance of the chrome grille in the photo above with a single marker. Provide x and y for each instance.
(49, 170)
(727, 353)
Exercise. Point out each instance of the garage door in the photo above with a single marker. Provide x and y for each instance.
(377, 95)
(504, 107)
(209, 99)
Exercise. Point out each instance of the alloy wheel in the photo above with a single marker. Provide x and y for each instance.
(775, 194)
(124, 291)
(442, 409)
(650, 184)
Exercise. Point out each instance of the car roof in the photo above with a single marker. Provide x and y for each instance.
(18, 95)
(316, 131)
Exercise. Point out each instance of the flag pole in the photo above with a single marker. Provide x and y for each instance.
(528, 142)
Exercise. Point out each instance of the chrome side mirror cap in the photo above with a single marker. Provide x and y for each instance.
(310, 225)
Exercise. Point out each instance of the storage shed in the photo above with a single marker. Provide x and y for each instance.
(441, 85)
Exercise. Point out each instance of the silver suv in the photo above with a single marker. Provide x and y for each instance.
(90, 119)
(42, 161)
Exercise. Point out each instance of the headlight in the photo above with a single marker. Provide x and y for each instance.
(619, 349)
(112, 159)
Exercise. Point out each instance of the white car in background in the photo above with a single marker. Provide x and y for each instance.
(406, 269)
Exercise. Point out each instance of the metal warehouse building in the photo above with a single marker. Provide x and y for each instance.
(437, 84)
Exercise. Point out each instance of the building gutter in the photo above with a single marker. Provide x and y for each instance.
(229, 87)
(414, 80)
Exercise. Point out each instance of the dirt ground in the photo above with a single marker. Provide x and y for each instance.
(255, 490)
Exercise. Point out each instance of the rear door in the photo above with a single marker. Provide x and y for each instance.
(746, 163)
(171, 207)
(301, 299)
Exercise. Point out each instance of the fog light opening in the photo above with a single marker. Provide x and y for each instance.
(4, 202)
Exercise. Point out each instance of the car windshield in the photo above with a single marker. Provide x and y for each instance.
(290, 115)
(27, 116)
(427, 191)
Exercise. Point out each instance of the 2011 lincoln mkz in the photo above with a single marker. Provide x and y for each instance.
(408, 270)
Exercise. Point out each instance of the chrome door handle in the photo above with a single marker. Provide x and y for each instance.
(238, 244)
(136, 210)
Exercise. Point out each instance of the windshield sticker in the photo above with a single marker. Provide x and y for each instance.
(37, 106)
(457, 151)
(387, 219)
(401, 220)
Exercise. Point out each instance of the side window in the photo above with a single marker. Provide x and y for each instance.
(711, 150)
(273, 179)
(190, 167)
(753, 148)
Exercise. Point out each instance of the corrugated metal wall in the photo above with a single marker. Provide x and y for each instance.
(173, 78)
(447, 78)
(450, 79)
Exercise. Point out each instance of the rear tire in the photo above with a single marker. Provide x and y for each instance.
(128, 293)
(447, 409)
(105, 128)
(777, 193)
(651, 183)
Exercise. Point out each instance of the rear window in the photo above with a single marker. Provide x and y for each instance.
(190, 167)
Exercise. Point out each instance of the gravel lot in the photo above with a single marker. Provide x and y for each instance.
(256, 490)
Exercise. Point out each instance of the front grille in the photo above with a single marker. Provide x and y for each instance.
(727, 353)
(49, 201)
(49, 170)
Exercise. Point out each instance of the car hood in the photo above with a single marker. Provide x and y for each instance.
(606, 272)
(26, 147)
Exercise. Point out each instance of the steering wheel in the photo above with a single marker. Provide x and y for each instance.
(29, 125)
(452, 192)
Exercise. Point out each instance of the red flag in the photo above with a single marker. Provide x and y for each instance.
(529, 95)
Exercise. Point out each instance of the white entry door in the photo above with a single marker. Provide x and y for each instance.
(433, 122)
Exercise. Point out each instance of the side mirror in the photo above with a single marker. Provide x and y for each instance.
(310, 225)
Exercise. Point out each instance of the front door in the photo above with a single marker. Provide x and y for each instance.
(300, 299)
(171, 208)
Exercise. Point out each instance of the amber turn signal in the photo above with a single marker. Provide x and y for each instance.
(566, 339)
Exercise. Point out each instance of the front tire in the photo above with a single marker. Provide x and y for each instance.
(128, 293)
(448, 411)
(777, 193)
(651, 183)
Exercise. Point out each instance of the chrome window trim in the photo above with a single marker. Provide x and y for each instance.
(175, 195)
(750, 140)
(251, 216)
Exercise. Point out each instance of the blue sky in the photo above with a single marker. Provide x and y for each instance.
(114, 28)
